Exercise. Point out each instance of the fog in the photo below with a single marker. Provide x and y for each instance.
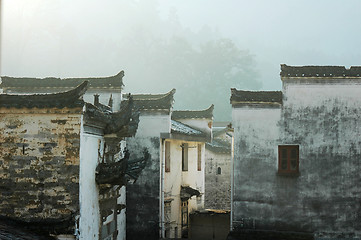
(201, 48)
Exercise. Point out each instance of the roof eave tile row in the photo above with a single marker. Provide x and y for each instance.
(115, 82)
(199, 114)
(70, 99)
(320, 71)
(161, 102)
(262, 97)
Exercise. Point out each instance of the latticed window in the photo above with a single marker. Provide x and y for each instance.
(288, 159)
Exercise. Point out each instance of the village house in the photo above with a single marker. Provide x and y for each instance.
(108, 88)
(218, 167)
(297, 156)
(63, 171)
(171, 185)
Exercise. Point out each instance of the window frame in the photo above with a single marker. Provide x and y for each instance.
(289, 171)
(167, 154)
(199, 157)
(184, 157)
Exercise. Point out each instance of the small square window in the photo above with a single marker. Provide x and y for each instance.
(288, 159)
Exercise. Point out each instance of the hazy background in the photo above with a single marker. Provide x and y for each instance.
(200, 47)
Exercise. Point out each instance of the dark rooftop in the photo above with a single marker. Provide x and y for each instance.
(147, 96)
(178, 127)
(219, 146)
(320, 71)
(238, 96)
(206, 113)
(154, 102)
(115, 81)
(70, 99)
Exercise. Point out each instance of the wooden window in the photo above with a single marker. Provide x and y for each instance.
(185, 157)
(288, 159)
(167, 156)
(199, 158)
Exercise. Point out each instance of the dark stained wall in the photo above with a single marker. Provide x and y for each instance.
(323, 119)
(143, 195)
(39, 174)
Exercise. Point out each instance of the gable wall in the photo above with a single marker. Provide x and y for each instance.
(39, 155)
(323, 119)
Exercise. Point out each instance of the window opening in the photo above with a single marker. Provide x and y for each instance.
(185, 157)
(288, 159)
(167, 156)
(199, 158)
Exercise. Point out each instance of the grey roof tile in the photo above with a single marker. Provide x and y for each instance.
(256, 96)
(70, 99)
(183, 114)
(25, 83)
(319, 71)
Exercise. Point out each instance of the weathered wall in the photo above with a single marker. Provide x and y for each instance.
(152, 124)
(323, 119)
(175, 178)
(255, 162)
(217, 186)
(39, 156)
(143, 195)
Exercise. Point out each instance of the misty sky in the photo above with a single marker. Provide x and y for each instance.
(81, 38)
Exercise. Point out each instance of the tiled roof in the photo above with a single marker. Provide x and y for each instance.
(319, 71)
(154, 102)
(70, 99)
(206, 113)
(238, 96)
(147, 96)
(178, 127)
(219, 146)
(115, 81)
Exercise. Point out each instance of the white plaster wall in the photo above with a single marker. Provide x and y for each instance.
(339, 99)
(121, 218)
(172, 184)
(256, 135)
(153, 125)
(89, 222)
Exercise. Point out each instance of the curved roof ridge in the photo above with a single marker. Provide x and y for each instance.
(164, 101)
(71, 98)
(150, 96)
(255, 96)
(53, 82)
(328, 71)
(205, 113)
